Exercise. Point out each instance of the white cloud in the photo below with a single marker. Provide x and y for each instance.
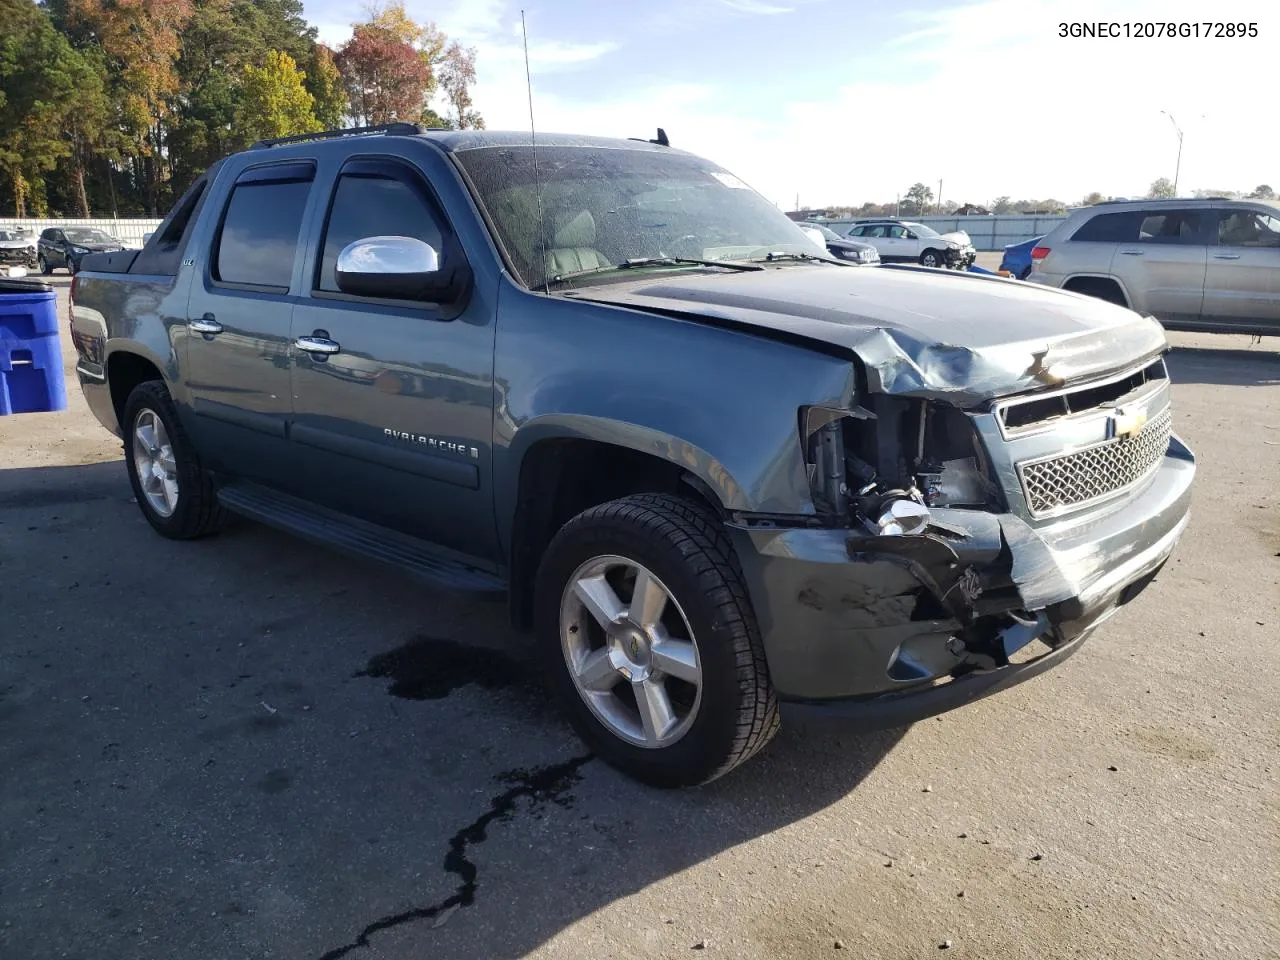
(756, 6)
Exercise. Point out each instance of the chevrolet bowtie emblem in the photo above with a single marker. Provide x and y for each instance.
(1126, 422)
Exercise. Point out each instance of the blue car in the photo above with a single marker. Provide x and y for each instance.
(1017, 258)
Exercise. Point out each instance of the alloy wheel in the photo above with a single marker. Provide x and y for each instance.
(630, 651)
(154, 463)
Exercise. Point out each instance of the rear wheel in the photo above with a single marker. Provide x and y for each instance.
(172, 488)
(1100, 287)
(649, 641)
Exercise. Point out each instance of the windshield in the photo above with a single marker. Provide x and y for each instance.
(827, 232)
(603, 206)
(920, 230)
(87, 235)
(6, 235)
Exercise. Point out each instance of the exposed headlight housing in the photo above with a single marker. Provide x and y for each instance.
(79, 249)
(902, 517)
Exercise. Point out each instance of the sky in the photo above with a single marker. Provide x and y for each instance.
(845, 101)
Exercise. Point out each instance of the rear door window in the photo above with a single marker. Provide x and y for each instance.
(258, 238)
(1172, 226)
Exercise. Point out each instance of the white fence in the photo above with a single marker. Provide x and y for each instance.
(128, 232)
(987, 233)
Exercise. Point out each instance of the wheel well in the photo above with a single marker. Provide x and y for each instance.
(561, 478)
(1104, 288)
(124, 372)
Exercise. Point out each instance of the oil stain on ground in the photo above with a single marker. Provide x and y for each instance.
(536, 787)
(430, 668)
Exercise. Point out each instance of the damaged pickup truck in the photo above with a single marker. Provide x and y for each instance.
(713, 470)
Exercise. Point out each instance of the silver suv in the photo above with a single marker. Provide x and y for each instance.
(1210, 265)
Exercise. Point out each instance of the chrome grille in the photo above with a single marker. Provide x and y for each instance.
(1061, 483)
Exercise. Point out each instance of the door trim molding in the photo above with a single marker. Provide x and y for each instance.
(267, 423)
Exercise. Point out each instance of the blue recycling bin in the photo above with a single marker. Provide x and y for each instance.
(31, 378)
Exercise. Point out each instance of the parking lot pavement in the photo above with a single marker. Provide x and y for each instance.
(250, 747)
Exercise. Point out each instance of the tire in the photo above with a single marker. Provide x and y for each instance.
(931, 258)
(194, 511)
(1101, 288)
(719, 720)
(43, 265)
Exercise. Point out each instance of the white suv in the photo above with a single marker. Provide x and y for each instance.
(1211, 265)
(905, 241)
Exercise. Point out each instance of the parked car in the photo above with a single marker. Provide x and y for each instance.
(905, 241)
(838, 246)
(1017, 258)
(16, 250)
(713, 469)
(1206, 265)
(67, 246)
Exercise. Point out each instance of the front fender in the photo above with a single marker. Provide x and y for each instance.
(721, 404)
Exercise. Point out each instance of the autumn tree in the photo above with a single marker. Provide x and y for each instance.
(1090, 199)
(385, 77)
(38, 76)
(274, 101)
(1161, 188)
(457, 73)
(140, 40)
(324, 83)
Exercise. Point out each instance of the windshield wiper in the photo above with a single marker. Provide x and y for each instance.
(777, 255)
(634, 262)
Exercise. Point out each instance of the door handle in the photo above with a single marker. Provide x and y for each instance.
(1133, 253)
(321, 345)
(206, 325)
(1226, 256)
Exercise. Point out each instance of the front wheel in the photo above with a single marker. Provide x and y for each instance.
(43, 264)
(650, 643)
(931, 258)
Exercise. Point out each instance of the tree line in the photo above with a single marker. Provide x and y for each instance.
(114, 107)
(918, 201)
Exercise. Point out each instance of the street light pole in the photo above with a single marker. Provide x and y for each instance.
(1177, 169)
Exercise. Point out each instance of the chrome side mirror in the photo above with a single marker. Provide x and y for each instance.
(398, 268)
(388, 255)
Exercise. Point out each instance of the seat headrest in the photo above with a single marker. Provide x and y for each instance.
(574, 229)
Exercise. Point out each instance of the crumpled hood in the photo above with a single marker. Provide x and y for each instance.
(919, 332)
(16, 244)
(958, 237)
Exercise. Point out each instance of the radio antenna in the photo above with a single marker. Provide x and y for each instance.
(541, 245)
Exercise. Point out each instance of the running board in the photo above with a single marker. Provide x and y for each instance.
(370, 541)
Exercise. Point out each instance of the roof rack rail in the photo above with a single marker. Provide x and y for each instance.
(400, 129)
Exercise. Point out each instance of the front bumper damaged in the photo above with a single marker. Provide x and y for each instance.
(885, 631)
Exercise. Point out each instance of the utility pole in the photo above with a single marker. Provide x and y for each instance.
(1177, 169)
(939, 196)
(797, 206)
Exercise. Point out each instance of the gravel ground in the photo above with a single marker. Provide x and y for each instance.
(249, 747)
